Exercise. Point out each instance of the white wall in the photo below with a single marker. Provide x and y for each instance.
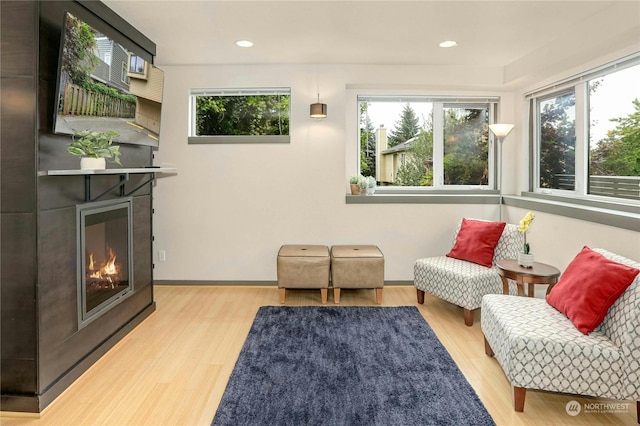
(230, 207)
(557, 239)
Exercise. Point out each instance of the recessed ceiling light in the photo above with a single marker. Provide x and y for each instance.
(244, 43)
(448, 43)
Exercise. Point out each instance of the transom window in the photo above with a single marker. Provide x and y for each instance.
(587, 134)
(239, 115)
(421, 141)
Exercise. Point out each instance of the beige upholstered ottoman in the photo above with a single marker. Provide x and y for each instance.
(303, 266)
(357, 267)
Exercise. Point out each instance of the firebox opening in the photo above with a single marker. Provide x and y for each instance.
(105, 273)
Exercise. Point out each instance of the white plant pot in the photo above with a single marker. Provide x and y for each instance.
(87, 163)
(525, 260)
(371, 190)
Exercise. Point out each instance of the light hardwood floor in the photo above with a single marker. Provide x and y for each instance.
(173, 368)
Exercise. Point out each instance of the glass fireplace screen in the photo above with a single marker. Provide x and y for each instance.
(105, 273)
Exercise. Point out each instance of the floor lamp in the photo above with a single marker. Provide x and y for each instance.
(500, 131)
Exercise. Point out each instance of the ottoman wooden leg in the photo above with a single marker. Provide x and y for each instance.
(282, 294)
(420, 295)
(336, 295)
(378, 296)
(323, 295)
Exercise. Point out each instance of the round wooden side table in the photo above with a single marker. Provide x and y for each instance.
(540, 273)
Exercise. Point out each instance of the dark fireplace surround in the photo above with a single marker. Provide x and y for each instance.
(48, 338)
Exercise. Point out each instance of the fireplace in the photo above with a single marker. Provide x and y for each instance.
(105, 257)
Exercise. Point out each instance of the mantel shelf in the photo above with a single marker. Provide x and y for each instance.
(123, 173)
(136, 170)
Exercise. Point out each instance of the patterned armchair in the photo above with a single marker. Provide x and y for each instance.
(464, 283)
(539, 348)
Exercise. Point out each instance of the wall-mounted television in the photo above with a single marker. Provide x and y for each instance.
(104, 85)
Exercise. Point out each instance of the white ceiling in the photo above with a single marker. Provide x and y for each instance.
(489, 33)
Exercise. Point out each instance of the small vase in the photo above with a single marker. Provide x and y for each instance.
(525, 260)
(355, 189)
(371, 190)
(363, 191)
(88, 163)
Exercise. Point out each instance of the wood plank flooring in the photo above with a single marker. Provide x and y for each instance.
(173, 368)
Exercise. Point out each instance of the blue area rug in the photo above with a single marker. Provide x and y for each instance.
(346, 366)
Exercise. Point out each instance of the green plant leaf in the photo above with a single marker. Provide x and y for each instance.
(74, 150)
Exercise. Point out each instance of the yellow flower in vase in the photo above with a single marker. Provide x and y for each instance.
(524, 224)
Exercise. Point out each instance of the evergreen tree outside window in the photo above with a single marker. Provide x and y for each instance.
(406, 127)
(367, 142)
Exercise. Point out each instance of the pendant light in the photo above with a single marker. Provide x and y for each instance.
(318, 110)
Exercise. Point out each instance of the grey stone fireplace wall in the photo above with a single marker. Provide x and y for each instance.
(43, 350)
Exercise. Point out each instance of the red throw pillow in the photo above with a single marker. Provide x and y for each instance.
(588, 287)
(476, 241)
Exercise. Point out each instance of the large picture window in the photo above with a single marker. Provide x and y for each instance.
(420, 141)
(240, 115)
(587, 134)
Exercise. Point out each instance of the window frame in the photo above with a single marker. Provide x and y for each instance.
(356, 95)
(124, 76)
(133, 62)
(579, 84)
(235, 139)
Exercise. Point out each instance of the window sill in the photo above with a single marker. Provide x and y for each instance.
(618, 215)
(205, 140)
(422, 198)
(623, 216)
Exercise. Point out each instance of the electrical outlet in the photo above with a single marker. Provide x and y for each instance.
(162, 256)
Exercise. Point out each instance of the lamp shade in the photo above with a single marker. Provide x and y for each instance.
(318, 110)
(501, 130)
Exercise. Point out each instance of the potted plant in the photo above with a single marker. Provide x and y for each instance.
(526, 257)
(94, 148)
(353, 181)
(362, 184)
(371, 185)
(367, 185)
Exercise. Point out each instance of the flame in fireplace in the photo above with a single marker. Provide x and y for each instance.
(110, 268)
(107, 275)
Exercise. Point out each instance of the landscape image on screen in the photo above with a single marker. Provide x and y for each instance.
(105, 86)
